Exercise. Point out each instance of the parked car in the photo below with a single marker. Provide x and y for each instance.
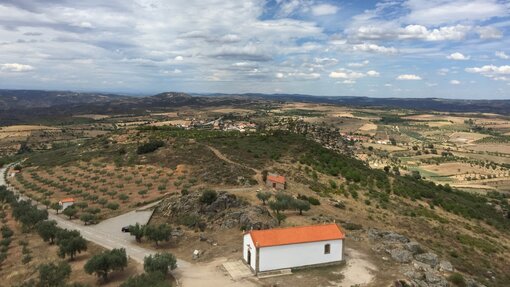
(125, 229)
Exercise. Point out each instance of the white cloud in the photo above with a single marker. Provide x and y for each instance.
(373, 73)
(489, 32)
(346, 74)
(179, 58)
(502, 55)
(455, 82)
(443, 71)
(326, 61)
(490, 70)
(408, 77)
(497, 73)
(15, 67)
(352, 75)
(305, 76)
(324, 9)
(457, 32)
(349, 82)
(411, 32)
(359, 64)
(435, 12)
(388, 85)
(373, 48)
(458, 57)
(298, 76)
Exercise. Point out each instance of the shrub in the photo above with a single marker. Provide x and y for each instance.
(153, 279)
(26, 258)
(54, 275)
(149, 146)
(107, 261)
(160, 262)
(113, 205)
(88, 218)
(457, 279)
(6, 232)
(208, 196)
(158, 233)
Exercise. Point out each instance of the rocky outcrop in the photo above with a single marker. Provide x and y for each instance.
(428, 258)
(225, 212)
(422, 269)
(401, 255)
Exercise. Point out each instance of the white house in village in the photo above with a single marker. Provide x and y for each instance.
(66, 202)
(283, 248)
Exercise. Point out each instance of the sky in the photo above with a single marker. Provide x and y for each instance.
(392, 48)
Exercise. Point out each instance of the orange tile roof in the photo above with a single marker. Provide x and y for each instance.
(67, 200)
(294, 235)
(276, 178)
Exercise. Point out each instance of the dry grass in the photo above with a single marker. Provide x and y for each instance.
(465, 137)
(368, 127)
(502, 148)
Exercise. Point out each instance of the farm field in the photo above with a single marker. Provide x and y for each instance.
(97, 188)
(500, 148)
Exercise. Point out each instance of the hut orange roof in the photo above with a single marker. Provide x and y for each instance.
(276, 178)
(295, 235)
(67, 200)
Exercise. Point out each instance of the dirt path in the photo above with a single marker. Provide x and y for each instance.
(359, 271)
(220, 155)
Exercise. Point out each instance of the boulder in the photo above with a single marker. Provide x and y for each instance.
(374, 234)
(428, 258)
(414, 275)
(473, 283)
(445, 266)
(176, 233)
(420, 283)
(196, 254)
(401, 255)
(414, 247)
(256, 217)
(435, 280)
(431, 277)
(395, 237)
(223, 201)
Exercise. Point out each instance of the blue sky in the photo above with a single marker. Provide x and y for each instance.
(393, 48)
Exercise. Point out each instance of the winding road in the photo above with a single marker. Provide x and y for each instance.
(109, 235)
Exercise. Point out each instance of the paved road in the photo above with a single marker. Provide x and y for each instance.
(109, 235)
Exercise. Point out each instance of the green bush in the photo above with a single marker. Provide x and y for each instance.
(457, 279)
(208, 196)
(149, 147)
(113, 205)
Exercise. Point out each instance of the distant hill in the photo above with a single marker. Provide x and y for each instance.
(27, 99)
(21, 106)
(429, 104)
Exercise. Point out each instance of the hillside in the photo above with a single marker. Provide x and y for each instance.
(460, 227)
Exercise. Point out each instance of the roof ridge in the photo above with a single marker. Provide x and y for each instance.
(289, 227)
